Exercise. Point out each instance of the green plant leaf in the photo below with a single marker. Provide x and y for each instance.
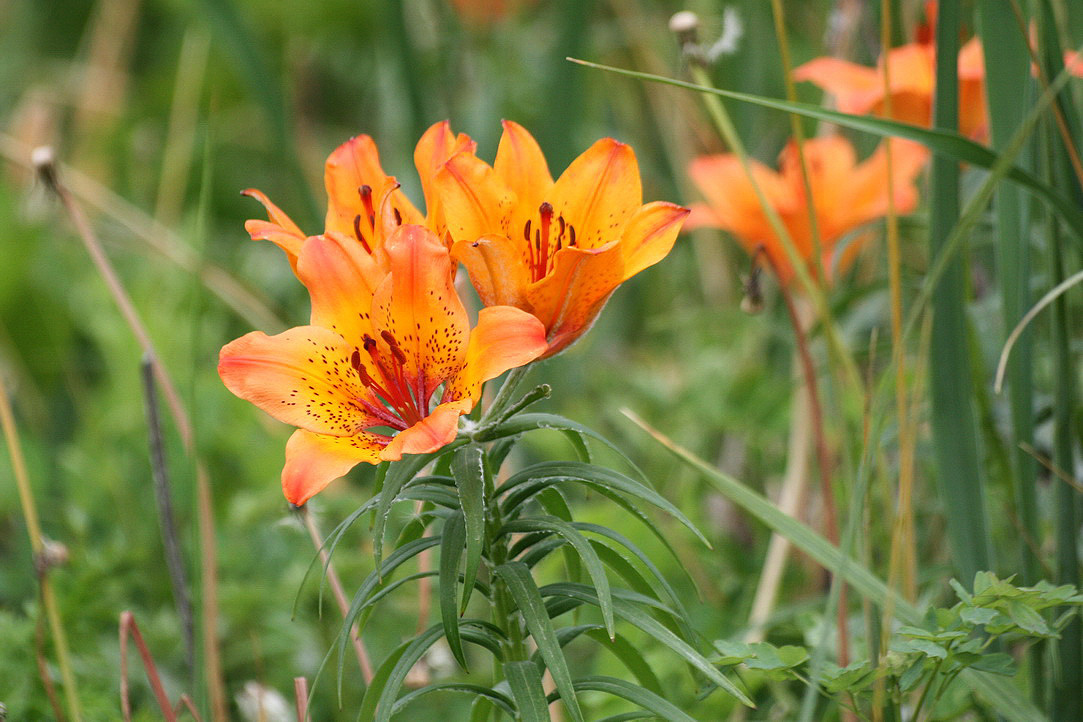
(398, 475)
(553, 525)
(468, 467)
(637, 695)
(451, 551)
(525, 681)
(645, 622)
(525, 593)
(548, 473)
(1004, 698)
(490, 695)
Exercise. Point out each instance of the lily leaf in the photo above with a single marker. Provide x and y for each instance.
(468, 467)
(525, 681)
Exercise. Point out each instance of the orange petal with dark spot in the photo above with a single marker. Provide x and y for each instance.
(419, 306)
(505, 338)
(302, 376)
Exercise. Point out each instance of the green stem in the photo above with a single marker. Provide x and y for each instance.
(505, 394)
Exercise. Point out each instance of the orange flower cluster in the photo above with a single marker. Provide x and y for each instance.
(845, 194)
(389, 360)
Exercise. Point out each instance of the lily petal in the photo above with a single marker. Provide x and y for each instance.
(650, 235)
(280, 230)
(354, 164)
(599, 192)
(505, 338)
(302, 376)
(520, 165)
(419, 306)
(435, 431)
(341, 279)
(474, 200)
(436, 146)
(315, 460)
(497, 269)
(569, 299)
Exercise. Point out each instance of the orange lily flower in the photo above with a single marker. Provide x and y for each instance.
(859, 89)
(555, 249)
(363, 202)
(382, 370)
(845, 195)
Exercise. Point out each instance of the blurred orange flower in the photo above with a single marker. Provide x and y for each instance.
(363, 202)
(859, 89)
(555, 249)
(384, 369)
(845, 195)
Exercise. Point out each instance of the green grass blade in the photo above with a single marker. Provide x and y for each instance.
(532, 608)
(500, 700)
(1007, 70)
(525, 681)
(951, 387)
(948, 143)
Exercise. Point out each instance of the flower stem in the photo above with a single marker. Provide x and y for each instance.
(505, 394)
(33, 529)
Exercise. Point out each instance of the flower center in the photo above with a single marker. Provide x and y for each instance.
(403, 402)
(542, 248)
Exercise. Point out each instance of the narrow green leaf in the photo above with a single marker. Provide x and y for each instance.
(451, 551)
(553, 501)
(639, 618)
(1004, 698)
(468, 467)
(523, 423)
(553, 472)
(490, 695)
(525, 681)
(948, 143)
(627, 653)
(586, 552)
(398, 475)
(637, 695)
(379, 682)
(529, 602)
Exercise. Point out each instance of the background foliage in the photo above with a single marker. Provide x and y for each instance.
(164, 110)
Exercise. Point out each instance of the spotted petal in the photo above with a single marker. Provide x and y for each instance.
(419, 306)
(302, 376)
(569, 299)
(505, 338)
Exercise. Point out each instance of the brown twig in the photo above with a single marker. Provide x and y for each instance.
(128, 626)
(831, 524)
(171, 544)
(336, 590)
(44, 162)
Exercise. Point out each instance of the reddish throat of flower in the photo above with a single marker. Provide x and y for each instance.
(543, 247)
(403, 401)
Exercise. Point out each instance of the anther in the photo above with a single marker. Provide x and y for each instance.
(360, 236)
(398, 217)
(526, 230)
(396, 351)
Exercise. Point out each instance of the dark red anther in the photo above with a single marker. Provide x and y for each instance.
(398, 217)
(355, 360)
(396, 351)
(359, 235)
(369, 343)
(366, 198)
(571, 236)
(526, 231)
